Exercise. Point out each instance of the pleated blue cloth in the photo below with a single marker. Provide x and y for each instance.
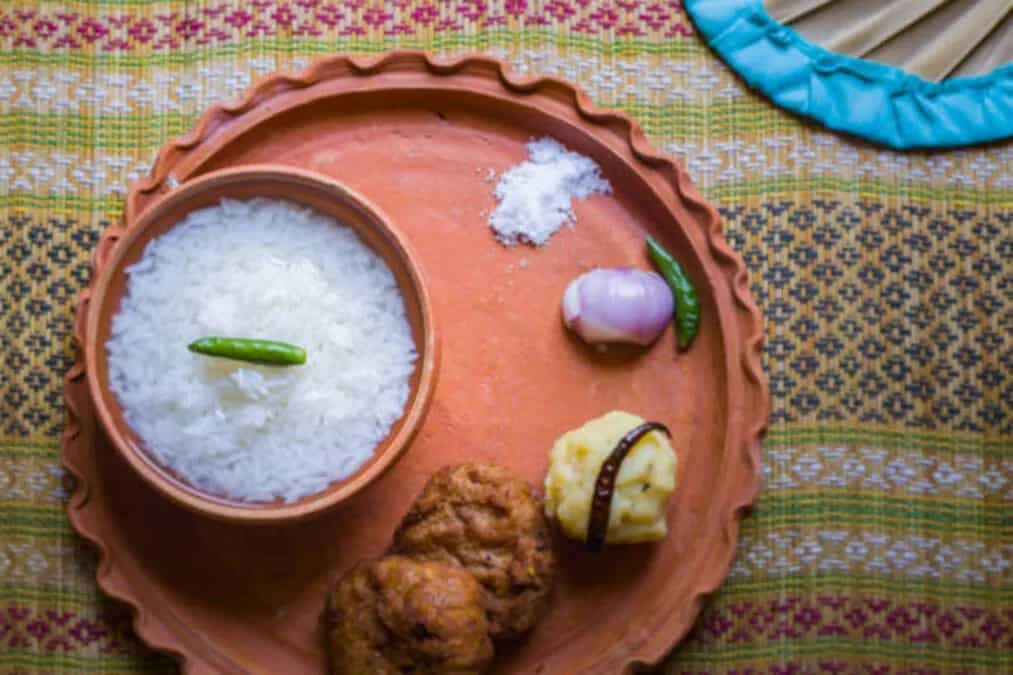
(880, 103)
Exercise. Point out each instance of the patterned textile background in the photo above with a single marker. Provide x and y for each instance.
(884, 538)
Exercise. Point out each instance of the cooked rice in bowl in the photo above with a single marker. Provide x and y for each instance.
(266, 269)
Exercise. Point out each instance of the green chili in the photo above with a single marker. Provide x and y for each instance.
(687, 303)
(264, 352)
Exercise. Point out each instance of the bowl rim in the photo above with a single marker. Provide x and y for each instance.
(224, 509)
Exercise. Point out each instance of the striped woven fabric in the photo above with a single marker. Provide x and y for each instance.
(883, 541)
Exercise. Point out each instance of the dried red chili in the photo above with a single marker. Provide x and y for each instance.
(605, 484)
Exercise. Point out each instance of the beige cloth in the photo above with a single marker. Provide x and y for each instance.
(936, 39)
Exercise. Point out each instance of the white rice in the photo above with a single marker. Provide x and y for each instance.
(273, 270)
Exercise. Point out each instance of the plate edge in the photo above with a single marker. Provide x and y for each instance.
(749, 320)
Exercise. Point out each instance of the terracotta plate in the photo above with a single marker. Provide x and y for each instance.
(420, 139)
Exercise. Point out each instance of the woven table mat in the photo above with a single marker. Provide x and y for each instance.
(883, 542)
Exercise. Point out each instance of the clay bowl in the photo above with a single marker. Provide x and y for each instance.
(328, 197)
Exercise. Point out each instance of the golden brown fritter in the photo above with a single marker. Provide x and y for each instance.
(486, 520)
(396, 616)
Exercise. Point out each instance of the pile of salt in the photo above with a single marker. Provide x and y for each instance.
(534, 197)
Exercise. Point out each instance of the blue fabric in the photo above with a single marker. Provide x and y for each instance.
(877, 102)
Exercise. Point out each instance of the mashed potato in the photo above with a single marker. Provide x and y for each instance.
(646, 480)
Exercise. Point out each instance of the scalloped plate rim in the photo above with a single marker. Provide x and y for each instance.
(111, 581)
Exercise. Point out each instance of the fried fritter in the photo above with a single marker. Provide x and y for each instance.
(395, 616)
(486, 520)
